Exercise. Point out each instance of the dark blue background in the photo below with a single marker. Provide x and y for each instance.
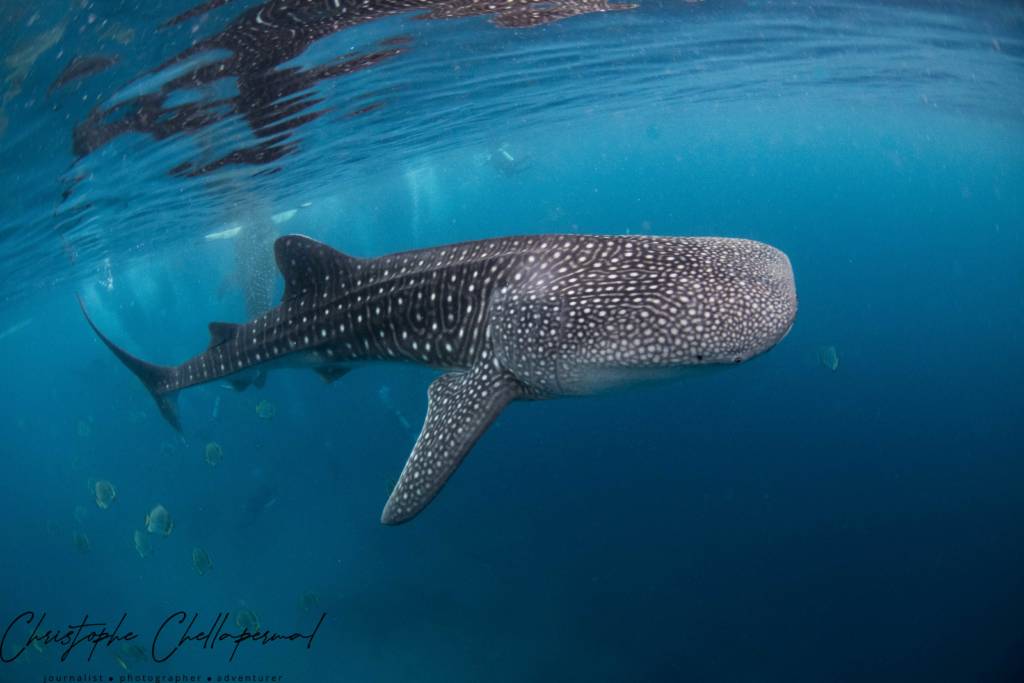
(776, 521)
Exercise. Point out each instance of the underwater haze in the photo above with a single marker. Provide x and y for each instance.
(846, 507)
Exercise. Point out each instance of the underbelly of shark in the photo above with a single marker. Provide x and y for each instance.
(529, 317)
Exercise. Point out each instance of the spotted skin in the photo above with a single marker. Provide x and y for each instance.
(461, 406)
(513, 318)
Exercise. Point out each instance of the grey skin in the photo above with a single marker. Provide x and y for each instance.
(513, 318)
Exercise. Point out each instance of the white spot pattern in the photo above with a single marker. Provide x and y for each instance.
(527, 316)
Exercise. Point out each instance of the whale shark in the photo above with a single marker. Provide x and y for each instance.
(514, 318)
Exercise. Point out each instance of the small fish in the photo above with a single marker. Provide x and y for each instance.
(246, 619)
(201, 561)
(81, 514)
(133, 651)
(829, 357)
(213, 454)
(142, 545)
(265, 410)
(81, 541)
(158, 521)
(105, 494)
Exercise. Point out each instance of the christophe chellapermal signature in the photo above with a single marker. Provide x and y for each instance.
(69, 638)
(175, 632)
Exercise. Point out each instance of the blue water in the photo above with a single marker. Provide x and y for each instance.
(777, 521)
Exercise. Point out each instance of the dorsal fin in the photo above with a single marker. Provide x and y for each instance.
(222, 332)
(309, 266)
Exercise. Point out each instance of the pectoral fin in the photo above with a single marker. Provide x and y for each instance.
(461, 407)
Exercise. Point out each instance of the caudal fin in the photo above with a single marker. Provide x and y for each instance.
(153, 376)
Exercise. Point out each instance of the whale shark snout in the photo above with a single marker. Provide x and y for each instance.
(781, 275)
(740, 304)
(773, 303)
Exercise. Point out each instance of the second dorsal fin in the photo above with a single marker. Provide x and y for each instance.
(311, 267)
(222, 332)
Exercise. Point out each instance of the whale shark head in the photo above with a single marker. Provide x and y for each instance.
(741, 302)
(634, 311)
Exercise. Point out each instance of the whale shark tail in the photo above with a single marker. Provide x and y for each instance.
(152, 376)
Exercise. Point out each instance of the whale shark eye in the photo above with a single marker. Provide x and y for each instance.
(737, 359)
(700, 357)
